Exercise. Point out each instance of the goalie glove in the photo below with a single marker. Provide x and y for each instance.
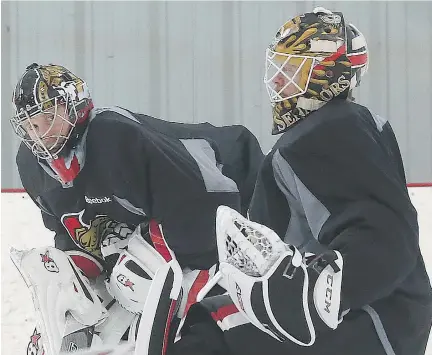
(67, 308)
(133, 274)
(282, 293)
(137, 263)
(115, 239)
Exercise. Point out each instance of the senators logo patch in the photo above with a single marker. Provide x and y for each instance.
(86, 236)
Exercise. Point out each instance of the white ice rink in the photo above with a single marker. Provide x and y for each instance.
(21, 227)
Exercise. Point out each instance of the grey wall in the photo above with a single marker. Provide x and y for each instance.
(204, 61)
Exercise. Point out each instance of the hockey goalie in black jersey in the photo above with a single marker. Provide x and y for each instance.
(113, 184)
(347, 276)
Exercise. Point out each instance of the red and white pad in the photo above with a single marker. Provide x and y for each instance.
(64, 302)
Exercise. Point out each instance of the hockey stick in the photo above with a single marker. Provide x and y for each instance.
(126, 348)
(216, 279)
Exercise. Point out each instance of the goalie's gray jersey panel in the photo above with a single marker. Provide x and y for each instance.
(205, 157)
(308, 214)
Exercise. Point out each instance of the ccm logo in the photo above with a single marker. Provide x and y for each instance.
(328, 293)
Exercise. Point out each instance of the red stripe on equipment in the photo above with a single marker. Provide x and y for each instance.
(224, 312)
(158, 240)
(167, 326)
(341, 50)
(91, 268)
(358, 59)
(199, 283)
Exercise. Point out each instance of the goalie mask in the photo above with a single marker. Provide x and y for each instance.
(308, 65)
(52, 108)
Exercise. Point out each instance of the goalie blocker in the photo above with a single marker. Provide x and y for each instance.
(67, 308)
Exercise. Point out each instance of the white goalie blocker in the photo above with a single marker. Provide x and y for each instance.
(283, 293)
(67, 308)
(148, 285)
(144, 292)
(133, 274)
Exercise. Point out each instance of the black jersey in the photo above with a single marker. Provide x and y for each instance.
(335, 181)
(139, 168)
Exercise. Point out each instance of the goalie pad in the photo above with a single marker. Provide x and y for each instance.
(109, 335)
(67, 309)
(283, 293)
(154, 332)
(34, 347)
(193, 282)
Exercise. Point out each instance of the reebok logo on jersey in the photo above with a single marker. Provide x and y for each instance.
(97, 200)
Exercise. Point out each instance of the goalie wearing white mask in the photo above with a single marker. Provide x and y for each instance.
(347, 275)
(101, 175)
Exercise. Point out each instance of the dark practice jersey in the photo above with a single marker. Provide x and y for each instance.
(336, 180)
(139, 168)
